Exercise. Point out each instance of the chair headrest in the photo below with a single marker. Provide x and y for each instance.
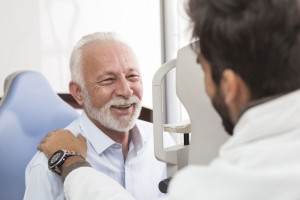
(30, 97)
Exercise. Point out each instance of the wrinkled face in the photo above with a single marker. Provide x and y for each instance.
(216, 96)
(113, 87)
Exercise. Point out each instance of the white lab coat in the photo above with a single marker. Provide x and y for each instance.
(261, 161)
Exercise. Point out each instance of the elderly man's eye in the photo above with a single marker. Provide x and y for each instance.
(133, 77)
(107, 81)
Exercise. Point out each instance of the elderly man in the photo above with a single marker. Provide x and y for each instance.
(249, 53)
(106, 81)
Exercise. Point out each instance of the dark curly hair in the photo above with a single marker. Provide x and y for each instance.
(258, 39)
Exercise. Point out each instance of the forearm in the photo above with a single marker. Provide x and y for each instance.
(87, 183)
(71, 164)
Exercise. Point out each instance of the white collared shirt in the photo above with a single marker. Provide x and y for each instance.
(139, 174)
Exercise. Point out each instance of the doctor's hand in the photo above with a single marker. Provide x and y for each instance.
(62, 139)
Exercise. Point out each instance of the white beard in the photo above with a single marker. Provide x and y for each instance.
(104, 117)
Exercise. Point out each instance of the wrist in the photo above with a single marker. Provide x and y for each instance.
(58, 158)
(73, 166)
(70, 160)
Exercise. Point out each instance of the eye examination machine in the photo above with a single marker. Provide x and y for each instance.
(202, 134)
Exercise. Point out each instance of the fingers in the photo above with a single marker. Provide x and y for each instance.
(50, 133)
(81, 138)
(39, 147)
(62, 139)
(42, 143)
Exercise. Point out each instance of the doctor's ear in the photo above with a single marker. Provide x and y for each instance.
(228, 85)
(234, 88)
(76, 92)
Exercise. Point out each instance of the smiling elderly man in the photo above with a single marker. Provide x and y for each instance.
(106, 81)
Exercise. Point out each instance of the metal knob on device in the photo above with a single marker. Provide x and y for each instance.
(163, 185)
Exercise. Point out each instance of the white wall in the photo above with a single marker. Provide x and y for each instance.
(177, 35)
(39, 35)
(19, 41)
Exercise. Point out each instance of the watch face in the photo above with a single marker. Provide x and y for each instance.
(56, 157)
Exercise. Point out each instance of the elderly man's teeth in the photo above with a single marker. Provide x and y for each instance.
(122, 106)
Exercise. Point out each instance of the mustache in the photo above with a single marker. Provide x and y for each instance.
(120, 101)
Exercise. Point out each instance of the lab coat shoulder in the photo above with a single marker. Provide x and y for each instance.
(186, 184)
(217, 181)
(222, 180)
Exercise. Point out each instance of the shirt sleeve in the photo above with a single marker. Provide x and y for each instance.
(87, 183)
(40, 182)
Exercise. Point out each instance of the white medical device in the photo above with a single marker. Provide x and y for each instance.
(204, 126)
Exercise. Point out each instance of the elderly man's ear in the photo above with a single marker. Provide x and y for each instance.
(76, 92)
(235, 91)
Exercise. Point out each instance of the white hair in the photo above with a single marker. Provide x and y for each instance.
(76, 67)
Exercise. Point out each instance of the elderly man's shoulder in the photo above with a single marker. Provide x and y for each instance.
(39, 159)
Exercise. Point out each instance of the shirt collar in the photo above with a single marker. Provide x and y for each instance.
(94, 135)
(100, 141)
(136, 138)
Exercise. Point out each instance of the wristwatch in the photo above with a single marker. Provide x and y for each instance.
(58, 158)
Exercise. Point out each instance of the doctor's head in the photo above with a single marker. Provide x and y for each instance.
(248, 50)
(106, 81)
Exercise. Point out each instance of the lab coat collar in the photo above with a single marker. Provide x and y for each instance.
(267, 119)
